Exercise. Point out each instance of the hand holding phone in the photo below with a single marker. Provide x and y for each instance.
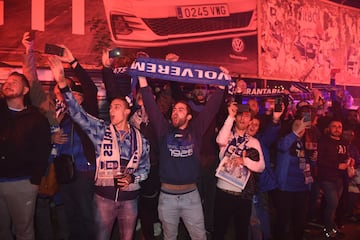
(31, 35)
(307, 119)
(238, 98)
(54, 50)
(114, 53)
(122, 180)
(278, 104)
(28, 41)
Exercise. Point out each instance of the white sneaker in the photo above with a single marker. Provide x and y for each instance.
(138, 225)
(157, 229)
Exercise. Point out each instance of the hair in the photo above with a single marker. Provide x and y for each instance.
(25, 81)
(299, 112)
(128, 104)
(257, 116)
(123, 99)
(22, 77)
(188, 108)
(253, 99)
(335, 119)
(123, 61)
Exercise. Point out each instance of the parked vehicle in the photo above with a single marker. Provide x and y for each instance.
(149, 23)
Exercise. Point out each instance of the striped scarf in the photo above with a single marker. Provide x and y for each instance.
(108, 163)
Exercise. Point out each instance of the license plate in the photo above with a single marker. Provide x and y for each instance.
(203, 11)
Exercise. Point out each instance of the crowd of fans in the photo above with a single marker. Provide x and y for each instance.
(188, 154)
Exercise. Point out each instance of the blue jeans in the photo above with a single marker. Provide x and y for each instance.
(186, 206)
(106, 211)
(332, 193)
(17, 207)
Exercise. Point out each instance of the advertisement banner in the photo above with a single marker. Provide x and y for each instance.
(308, 41)
(301, 40)
(207, 32)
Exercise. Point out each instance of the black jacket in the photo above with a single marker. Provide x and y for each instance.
(25, 143)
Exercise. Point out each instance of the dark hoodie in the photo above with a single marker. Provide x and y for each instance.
(25, 144)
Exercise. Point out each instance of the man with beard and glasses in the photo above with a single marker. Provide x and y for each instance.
(179, 161)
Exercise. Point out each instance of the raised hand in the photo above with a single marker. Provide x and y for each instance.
(68, 56)
(299, 127)
(27, 42)
(226, 71)
(58, 70)
(59, 137)
(277, 115)
(232, 109)
(106, 61)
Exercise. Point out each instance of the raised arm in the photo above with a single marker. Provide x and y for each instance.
(116, 80)
(211, 108)
(156, 117)
(38, 96)
(224, 135)
(92, 126)
(90, 103)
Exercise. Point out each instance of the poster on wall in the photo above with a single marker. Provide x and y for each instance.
(350, 30)
(309, 40)
(208, 32)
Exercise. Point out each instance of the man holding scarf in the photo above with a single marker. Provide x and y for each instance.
(179, 162)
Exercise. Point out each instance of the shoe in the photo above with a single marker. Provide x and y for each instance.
(329, 234)
(138, 225)
(339, 234)
(157, 229)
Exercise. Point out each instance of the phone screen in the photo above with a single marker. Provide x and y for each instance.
(238, 98)
(278, 104)
(54, 49)
(114, 53)
(31, 35)
(307, 119)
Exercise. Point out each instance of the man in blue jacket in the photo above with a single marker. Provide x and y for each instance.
(122, 160)
(294, 179)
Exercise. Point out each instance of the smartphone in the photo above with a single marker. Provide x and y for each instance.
(114, 53)
(278, 104)
(31, 35)
(54, 49)
(307, 119)
(238, 98)
(243, 108)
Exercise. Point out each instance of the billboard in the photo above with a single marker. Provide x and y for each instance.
(308, 41)
(208, 32)
(302, 40)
